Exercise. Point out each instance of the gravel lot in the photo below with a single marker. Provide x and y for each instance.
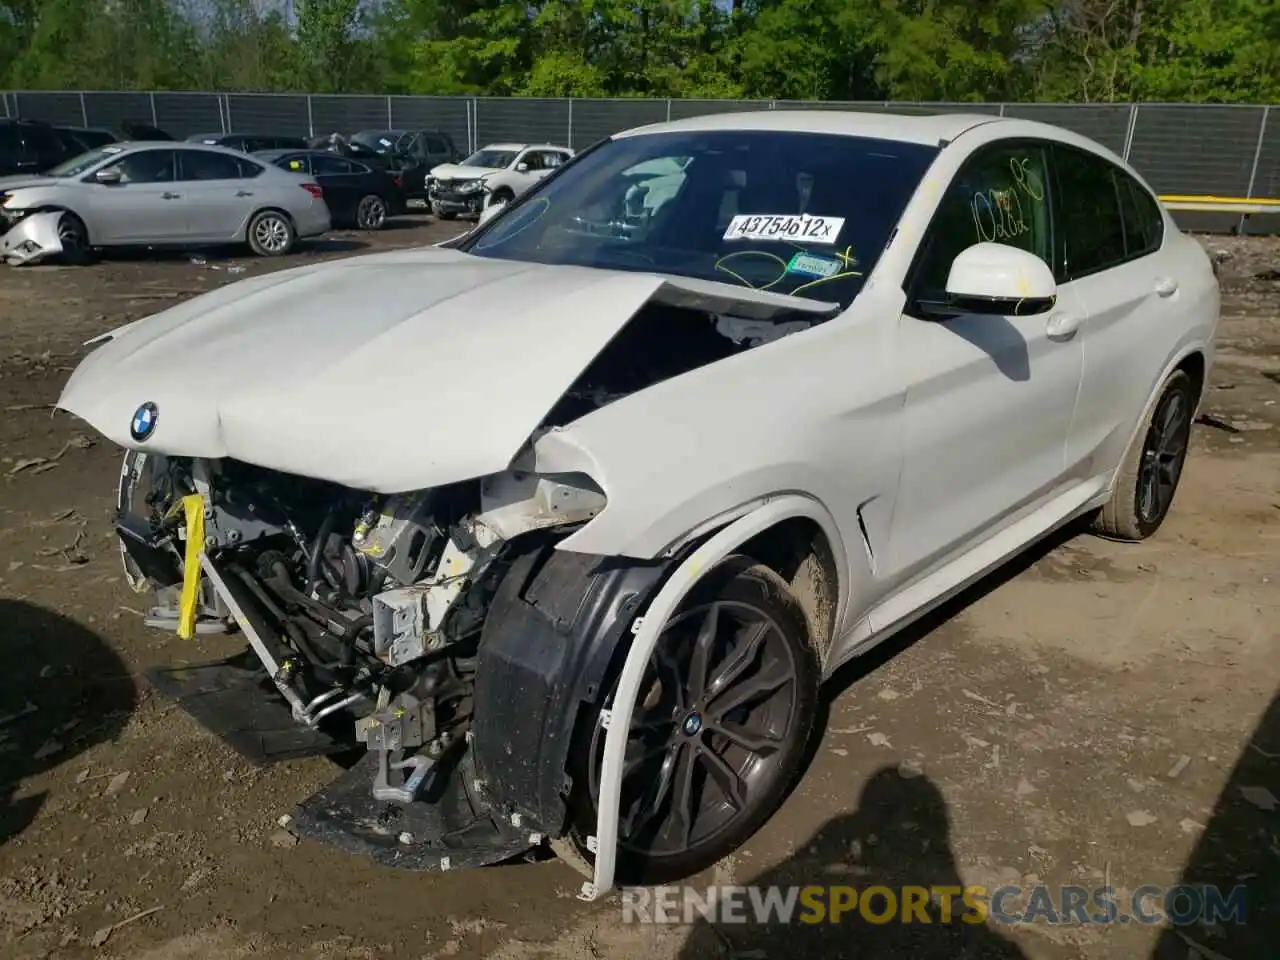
(1097, 712)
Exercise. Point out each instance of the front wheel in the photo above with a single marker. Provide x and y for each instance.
(1152, 468)
(501, 197)
(271, 234)
(721, 725)
(73, 236)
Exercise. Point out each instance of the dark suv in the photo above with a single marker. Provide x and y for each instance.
(28, 146)
(250, 142)
(416, 153)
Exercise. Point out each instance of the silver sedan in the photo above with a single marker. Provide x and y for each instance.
(158, 194)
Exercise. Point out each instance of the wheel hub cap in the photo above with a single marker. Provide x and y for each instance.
(692, 724)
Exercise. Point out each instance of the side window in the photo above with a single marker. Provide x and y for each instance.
(207, 165)
(533, 158)
(147, 166)
(435, 146)
(43, 141)
(300, 164)
(249, 169)
(1092, 229)
(330, 164)
(1143, 222)
(552, 159)
(1000, 195)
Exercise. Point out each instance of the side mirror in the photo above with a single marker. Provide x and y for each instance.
(522, 168)
(108, 175)
(997, 278)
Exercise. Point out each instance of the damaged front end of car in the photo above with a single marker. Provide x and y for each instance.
(28, 238)
(367, 618)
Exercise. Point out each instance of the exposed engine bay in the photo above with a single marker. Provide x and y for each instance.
(366, 615)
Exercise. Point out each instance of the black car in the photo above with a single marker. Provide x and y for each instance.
(416, 153)
(84, 139)
(30, 146)
(250, 142)
(356, 193)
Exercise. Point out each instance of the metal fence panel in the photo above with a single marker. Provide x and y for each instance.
(1165, 140)
(112, 109)
(928, 107)
(185, 114)
(281, 113)
(1106, 123)
(1266, 181)
(596, 119)
(449, 114)
(684, 109)
(60, 108)
(349, 114)
(521, 120)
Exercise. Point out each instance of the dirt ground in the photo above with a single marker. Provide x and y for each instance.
(1097, 713)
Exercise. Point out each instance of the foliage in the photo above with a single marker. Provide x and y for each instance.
(1094, 50)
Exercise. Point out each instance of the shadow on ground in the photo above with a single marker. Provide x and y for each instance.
(1240, 847)
(62, 690)
(898, 836)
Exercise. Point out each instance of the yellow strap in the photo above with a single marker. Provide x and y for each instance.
(193, 506)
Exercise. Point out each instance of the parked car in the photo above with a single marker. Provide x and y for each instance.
(81, 139)
(337, 143)
(491, 176)
(249, 142)
(378, 141)
(629, 473)
(138, 131)
(30, 146)
(158, 194)
(416, 153)
(356, 193)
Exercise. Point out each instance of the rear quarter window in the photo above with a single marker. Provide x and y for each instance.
(1143, 221)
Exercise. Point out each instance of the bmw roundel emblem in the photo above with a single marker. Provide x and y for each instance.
(144, 421)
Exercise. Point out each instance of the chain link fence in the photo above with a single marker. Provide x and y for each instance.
(1202, 149)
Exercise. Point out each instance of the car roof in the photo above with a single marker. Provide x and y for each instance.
(134, 146)
(930, 129)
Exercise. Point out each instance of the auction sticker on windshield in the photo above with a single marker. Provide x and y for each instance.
(799, 227)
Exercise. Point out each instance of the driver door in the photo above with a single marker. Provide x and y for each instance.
(144, 206)
(990, 398)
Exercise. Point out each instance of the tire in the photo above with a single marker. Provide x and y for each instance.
(371, 212)
(1149, 475)
(673, 737)
(271, 234)
(74, 237)
(501, 197)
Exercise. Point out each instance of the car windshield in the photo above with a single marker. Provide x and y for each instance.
(379, 141)
(490, 159)
(81, 164)
(795, 213)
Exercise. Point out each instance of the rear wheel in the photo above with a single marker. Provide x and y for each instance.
(720, 728)
(1151, 470)
(371, 213)
(271, 234)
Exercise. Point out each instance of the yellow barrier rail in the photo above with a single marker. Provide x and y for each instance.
(1211, 204)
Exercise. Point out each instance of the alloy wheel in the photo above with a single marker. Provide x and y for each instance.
(371, 214)
(272, 233)
(1163, 453)
(707, 738)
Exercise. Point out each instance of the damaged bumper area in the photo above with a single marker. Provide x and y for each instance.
(440, 630)
(30, 239)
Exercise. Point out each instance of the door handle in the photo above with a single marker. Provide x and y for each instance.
(1166, 286)
(244, 193)
(1062, 326)
(170, 196)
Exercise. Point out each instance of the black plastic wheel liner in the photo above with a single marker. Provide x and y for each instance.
(550, 637)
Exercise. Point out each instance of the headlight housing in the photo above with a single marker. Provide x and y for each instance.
(471, 186)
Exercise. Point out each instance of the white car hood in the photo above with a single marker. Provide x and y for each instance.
(23, 181)
(458, 171)
(389, 372)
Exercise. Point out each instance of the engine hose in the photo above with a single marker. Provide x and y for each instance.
(353, 634)
(317, 550)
